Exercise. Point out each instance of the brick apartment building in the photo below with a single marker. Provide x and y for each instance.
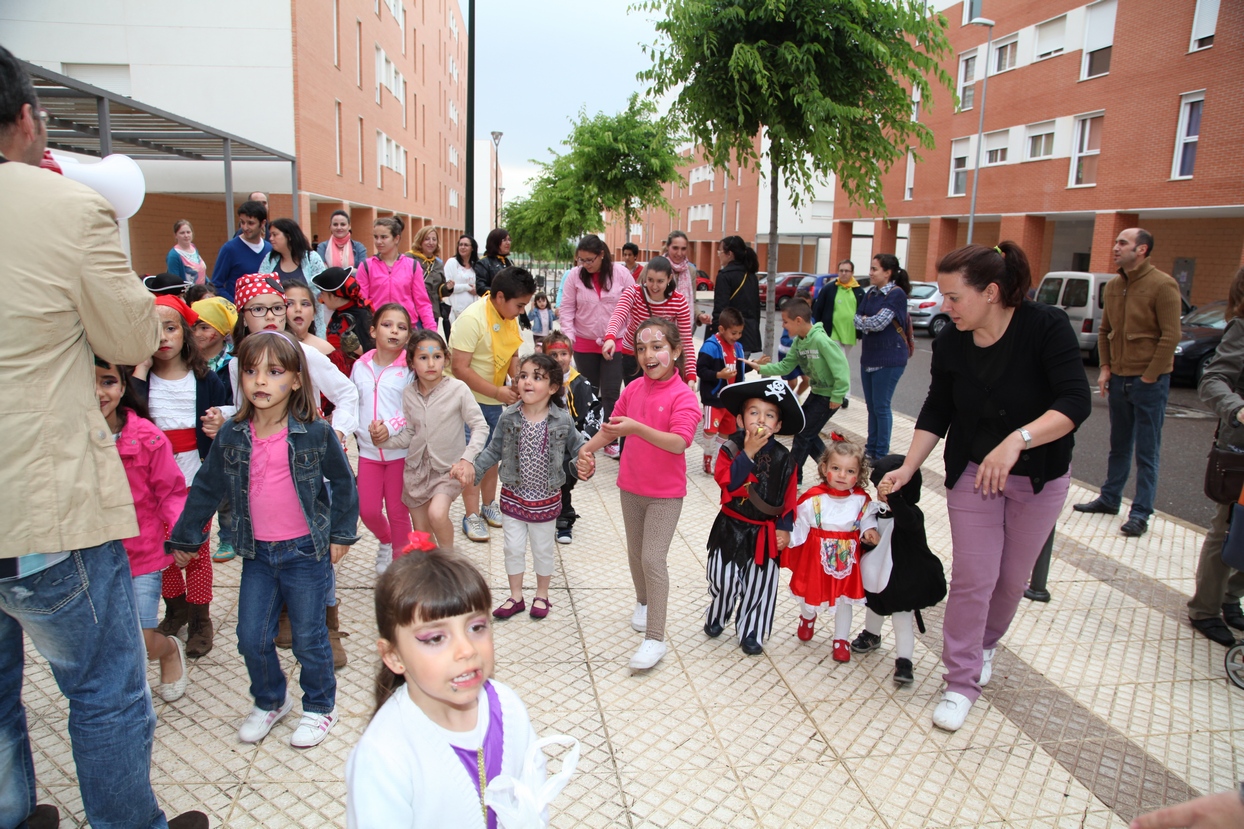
(1098, 117)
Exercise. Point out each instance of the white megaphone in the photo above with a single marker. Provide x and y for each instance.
(117, 178)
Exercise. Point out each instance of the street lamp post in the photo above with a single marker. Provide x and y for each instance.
(496, 177)
(500, 203)
(980, 129)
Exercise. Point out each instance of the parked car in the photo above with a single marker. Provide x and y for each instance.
(1198, 342)
(787, 283)
(702, 282)
(924, 306)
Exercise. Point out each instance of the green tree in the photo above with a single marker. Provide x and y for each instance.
(827, 82)
(557, 210)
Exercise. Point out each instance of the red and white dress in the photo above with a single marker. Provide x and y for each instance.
(824, 552)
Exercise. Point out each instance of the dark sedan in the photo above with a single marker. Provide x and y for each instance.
(1202, 331)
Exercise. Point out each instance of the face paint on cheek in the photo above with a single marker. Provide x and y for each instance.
(663, 357)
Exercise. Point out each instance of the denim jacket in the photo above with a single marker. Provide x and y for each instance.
(314, 454)
(565, 441)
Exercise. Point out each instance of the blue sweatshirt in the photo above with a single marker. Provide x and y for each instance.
(236, 259)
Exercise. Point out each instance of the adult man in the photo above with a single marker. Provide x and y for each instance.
(260, 197)
(630, 258)
(243, 253)
(1140, 325)
(834, 307)
(64, 576)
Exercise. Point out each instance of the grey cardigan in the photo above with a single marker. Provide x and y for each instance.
(565, 441)
(1221, 383)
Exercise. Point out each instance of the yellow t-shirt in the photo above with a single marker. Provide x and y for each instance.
(476, 330)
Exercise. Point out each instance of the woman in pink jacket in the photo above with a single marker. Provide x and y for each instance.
(592, 292)
(390, 276)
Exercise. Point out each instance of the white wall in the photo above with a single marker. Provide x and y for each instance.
(815, 216)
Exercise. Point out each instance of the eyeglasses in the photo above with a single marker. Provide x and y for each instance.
(587, 260)
(261, 311)
(43, 115)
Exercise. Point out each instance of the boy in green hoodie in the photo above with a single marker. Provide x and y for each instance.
(822, 360)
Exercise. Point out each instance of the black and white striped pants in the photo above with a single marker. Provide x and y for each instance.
(753, 589)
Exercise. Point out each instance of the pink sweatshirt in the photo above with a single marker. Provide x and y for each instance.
(159, 490)
(401, 282)
(667, 406)
(633, 308)
(585, 312)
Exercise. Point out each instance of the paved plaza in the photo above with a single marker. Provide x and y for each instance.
(1104, 702)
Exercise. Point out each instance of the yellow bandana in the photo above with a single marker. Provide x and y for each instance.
(506, 340)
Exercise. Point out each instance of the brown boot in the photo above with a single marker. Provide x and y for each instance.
(284, 633)
(199, 642)
(334, 638)
(176, 614)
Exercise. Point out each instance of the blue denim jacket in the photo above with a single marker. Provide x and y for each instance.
(314, 454)
(565, 441)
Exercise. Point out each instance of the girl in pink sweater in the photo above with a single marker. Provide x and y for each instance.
(659, 415)
(656, 297)
(389, 276)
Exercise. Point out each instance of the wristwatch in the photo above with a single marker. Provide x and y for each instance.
(1027, 436)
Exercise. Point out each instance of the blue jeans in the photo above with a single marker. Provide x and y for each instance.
(82, 616)
(286, 573)
(1137, 410)
(879, 386)
(816, 413)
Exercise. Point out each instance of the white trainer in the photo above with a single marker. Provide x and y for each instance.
(260, 722)
(384, 557)
(649, 654)
(639, 619)
(951, 711)
(987, 666)
(312, 729)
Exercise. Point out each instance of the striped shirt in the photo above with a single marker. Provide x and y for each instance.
(634, 307)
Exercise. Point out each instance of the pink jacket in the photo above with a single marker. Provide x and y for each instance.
(667, 406)
(159, 490)
(401, 283)
(585, 312)
(380, 398)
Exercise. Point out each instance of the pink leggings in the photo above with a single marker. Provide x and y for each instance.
(380, 492)
(996, 540)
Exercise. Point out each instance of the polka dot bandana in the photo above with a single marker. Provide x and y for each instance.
(255, 284)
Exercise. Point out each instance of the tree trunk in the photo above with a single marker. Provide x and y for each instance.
(771, 336)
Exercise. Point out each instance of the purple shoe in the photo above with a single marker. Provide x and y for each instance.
(509, 608)
(540, 607)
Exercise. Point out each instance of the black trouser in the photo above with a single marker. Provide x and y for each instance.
(568, 516)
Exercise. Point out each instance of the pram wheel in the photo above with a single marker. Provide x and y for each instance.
(1234, 665)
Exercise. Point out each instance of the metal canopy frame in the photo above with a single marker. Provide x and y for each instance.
(89, 120)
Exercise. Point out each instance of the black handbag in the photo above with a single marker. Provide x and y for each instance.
(1224, 474)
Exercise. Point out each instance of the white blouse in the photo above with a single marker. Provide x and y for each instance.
(172, 406)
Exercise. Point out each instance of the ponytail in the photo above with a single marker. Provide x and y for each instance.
(1005, 265)
(744, 253)
(889, 262)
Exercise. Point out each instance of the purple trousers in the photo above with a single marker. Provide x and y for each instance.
(996, 539)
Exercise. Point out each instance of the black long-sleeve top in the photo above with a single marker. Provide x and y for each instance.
(969, 391)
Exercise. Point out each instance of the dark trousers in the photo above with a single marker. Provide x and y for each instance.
(816, 413)
(568, 516)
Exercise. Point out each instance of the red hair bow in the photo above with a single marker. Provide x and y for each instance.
(836, 438)
(420, 541)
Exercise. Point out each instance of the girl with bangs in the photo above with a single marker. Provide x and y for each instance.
(276, 461)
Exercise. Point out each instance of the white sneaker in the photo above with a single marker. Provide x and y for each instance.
(951, 711)
(639, 619)
(491, 513)
(260, 722)
(987, 666)
(649, 654)
(173, 691)
(313, 728)
(384, 557)
(474, 528)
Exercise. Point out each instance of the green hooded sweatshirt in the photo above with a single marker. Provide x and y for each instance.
(821, 359)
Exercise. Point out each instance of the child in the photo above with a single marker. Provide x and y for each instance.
(902, 575)
(159, 492)
(430, 427)
(660, 414)
(797, 380)
(823, 361)
(831, 521)
(286, 530)
(217, 317)
(712, 361)
(443, 729)
(349, 327)
(655, 297)
(179, 390)
(542, 316)
(300, 316)
(381, 376)
(585, 407)
(196, 293)
(757, 480)
(532, 442)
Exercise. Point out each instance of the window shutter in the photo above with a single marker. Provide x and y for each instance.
(1099, 31)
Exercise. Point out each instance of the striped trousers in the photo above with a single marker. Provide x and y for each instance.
(753, 589)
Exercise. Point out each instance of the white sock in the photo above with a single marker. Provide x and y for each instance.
(842, 621)
(904, 633)
(873, 621)
(806, 612)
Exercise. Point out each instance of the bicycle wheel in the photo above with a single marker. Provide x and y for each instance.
(1234, 665)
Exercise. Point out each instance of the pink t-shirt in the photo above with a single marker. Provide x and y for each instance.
(667, 406)
(276, 512)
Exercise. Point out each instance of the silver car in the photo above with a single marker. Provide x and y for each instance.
(924, 306)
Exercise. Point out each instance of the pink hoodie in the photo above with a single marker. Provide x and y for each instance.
(401, 282)
(667, 406)
(159, 490)
(585, 312)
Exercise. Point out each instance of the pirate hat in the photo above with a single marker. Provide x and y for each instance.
(775, 391)
(164, 284)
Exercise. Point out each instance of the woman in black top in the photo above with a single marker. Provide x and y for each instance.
(737, 287)
(1008, 389)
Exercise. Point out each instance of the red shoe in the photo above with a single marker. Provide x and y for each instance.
(509, 608)
(805, 629)
(708, 466)
(842, 650)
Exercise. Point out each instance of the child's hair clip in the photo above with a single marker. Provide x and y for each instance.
(420, 541)
(837, 438)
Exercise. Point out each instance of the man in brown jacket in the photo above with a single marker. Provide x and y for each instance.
(69, 294)
(1140, 326)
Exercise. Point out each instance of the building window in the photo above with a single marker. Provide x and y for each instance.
(1087, 150)
(1040, 140)
(336, 34)
(737, 209)
(909, 187)
(358, 50)
(996, 146)
(1203, 24)
(967, 81)
(915, 103)
(1189, 132)
(360, 150)
(1004, 55)
(337, 132)
(959, 167)
(1098, 39)
(971, 11)
(1051, 37)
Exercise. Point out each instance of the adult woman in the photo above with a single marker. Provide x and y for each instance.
(591, 293)
(292, 258)
(184, 260)
(341, 250)
(738, 287)
(1008, 389)
(882, 318)
(460, 278)
(424, 248)
(496, 257)
(391, 277)
(677, 247)
(836, 302)
(1215, 604)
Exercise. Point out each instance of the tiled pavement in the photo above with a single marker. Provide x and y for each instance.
(1104, 702)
